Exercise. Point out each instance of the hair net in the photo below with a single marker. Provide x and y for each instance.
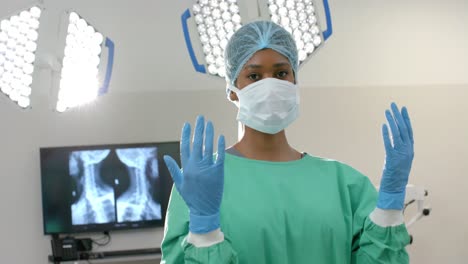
(253, 37)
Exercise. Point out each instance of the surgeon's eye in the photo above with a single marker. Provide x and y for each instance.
(282, 74)
(253, 77)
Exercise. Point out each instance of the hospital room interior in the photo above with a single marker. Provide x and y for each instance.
(152, 69)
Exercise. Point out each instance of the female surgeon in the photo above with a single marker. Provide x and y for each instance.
(263, 202)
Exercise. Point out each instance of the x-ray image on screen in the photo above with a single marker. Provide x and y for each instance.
(136, 201)
(94, 199)
(106, 187)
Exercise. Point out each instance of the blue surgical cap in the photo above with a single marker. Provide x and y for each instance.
(253, 37)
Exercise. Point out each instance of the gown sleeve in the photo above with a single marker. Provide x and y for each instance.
(175, 248)
(373, 243)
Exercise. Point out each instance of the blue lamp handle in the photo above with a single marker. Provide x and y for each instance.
(198, 67)
(327, 33)
(110, 63)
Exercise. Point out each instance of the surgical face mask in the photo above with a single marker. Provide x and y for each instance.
(268, 105)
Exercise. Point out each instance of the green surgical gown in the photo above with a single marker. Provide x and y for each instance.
(311, 210)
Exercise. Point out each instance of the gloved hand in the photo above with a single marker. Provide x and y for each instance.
(201, 182)
(398, 160)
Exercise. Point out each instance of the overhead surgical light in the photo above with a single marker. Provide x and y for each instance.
(18, 37)
(299, 18)
(81, 73)
(216, 21)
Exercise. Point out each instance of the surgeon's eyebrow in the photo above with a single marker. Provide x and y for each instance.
(276, 65)
(253, 66)
(281, 64)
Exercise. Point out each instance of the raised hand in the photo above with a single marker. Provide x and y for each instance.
(201, 180)
(398, 159)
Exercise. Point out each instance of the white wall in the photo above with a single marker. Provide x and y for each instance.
(411, 52)
(135, 118)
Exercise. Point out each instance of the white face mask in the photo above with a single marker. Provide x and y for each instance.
(268, 105)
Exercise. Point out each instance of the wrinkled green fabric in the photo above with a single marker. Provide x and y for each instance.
(311, 210)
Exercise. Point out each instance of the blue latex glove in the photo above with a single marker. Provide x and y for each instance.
(201, 181)
(398, 160)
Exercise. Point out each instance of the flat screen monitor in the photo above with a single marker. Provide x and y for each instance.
(101, 188)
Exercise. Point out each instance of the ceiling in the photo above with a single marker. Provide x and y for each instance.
(377, 43)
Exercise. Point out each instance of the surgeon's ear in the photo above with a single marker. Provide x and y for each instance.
(233, 96)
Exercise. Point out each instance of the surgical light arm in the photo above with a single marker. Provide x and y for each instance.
(416, 194)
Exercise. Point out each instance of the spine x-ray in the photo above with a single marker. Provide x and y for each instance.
(114, 185)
